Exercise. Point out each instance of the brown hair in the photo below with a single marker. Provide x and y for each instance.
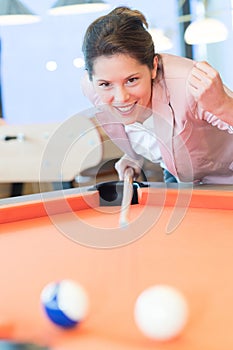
(122, 31)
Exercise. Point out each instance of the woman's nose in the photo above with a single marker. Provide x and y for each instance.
(121, 94)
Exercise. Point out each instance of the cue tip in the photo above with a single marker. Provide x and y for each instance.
(124, 223)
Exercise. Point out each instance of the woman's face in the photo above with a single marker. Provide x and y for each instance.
(124, 84)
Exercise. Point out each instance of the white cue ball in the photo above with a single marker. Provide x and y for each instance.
(161, 312)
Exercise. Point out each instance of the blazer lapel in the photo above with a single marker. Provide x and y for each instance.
(116, 131)
(164, 124)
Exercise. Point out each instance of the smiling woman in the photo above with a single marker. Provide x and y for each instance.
(186, 104)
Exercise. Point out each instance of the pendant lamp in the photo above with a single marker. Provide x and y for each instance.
(69, 7)
(13, 12)
(161, 41)
(205, 31)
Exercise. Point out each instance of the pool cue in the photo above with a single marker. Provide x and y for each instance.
(127, 197)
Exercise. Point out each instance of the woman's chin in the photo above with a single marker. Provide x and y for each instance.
(126, 120)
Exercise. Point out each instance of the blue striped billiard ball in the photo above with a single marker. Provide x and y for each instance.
(65, 303)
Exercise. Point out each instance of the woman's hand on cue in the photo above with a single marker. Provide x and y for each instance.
(127, 162)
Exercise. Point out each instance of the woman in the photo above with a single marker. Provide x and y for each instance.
(166, 108)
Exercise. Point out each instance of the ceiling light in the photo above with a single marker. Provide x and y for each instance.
(161, 41)
(13, 12)
(69, 7)
(78, 62)
(205, 31)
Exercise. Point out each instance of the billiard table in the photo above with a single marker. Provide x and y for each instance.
(178, 236)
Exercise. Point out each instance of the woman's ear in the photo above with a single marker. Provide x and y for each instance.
(154, 70)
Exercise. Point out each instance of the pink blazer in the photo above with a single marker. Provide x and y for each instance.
(192, 148)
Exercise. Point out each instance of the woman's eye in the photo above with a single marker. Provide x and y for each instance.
(132, 80)
(104, 84)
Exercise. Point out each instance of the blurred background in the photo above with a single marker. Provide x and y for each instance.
(41, 60)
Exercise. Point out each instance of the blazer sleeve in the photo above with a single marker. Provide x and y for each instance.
(200, 113)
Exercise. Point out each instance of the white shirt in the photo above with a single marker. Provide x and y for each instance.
(143, 140)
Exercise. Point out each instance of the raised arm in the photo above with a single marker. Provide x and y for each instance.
(206, 85)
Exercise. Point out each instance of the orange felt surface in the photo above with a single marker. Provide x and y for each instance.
(196, 258)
